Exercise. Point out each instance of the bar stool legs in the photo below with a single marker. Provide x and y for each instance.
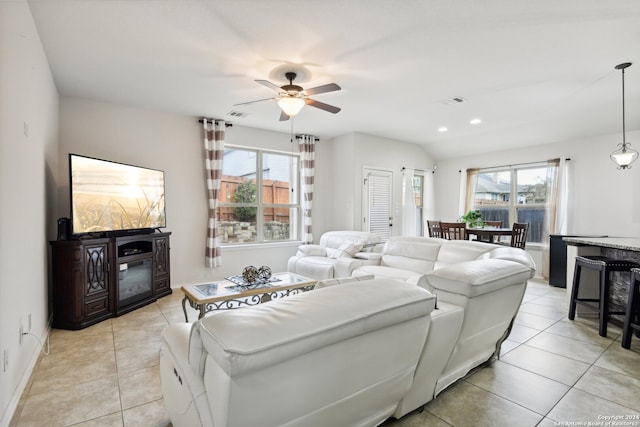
(604, 266)
(632, 316)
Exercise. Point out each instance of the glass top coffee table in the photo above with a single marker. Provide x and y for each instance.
(226, 294)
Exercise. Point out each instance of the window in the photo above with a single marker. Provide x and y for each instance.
(259, 196)
(515, 194)
(418, 192)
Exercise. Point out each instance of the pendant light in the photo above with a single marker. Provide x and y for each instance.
(624, 155)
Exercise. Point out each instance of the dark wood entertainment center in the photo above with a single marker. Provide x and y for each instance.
(98, 278)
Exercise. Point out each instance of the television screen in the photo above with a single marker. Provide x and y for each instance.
(109, 197)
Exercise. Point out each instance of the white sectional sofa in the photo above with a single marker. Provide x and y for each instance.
(486, 281)
(353, 351)
(338, 356)
(337, 254)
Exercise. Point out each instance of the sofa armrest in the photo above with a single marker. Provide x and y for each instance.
(343, 267)
(473, 278)
(311, 250)
(419, 280)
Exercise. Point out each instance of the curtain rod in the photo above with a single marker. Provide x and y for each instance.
(420, 170)
(315, 137)
(226, 124)
(518, 164)
(525, 163)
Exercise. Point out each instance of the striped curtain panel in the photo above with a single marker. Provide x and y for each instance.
(307, 146)
(213, 154)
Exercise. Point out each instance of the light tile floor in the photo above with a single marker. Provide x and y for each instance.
(552, 372)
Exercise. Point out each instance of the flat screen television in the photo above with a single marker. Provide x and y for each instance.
(113, 198)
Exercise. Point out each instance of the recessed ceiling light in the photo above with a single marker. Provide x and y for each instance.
(475, 121)
(442, 129)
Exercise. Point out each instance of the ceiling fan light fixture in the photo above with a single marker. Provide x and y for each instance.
(624, 155)
(291, 105)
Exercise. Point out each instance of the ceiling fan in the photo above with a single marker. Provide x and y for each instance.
(291, 98)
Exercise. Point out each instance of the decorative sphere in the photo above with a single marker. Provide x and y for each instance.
(250, 273)
(264, 273)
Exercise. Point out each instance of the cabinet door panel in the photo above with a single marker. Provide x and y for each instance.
(96, 266)
(161, 256)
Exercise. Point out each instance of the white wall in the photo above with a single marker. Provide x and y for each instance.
(28, 161)
(333, 204)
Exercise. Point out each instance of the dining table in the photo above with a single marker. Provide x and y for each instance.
(489, 233)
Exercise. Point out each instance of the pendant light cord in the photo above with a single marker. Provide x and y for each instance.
(624, 142)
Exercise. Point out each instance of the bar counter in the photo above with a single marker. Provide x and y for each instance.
(623, 243)
(624, 248)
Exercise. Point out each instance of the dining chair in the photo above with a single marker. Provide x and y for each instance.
(497, 224)
(519, 234)
(434, 229)
(454, 230)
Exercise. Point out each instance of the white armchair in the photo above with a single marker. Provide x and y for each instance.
(337, 254)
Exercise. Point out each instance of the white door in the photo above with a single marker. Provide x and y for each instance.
(377, 202)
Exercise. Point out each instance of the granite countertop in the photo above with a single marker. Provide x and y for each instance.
(625, 243)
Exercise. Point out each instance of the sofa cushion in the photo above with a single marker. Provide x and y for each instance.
(242, 341)
(473, 278)
(346, 249)
(413, 254)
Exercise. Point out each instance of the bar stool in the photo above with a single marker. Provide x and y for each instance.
(604, 266)
(632, 316)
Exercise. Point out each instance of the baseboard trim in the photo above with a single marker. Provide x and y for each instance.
(9, 416)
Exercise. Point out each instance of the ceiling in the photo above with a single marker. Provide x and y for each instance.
(534, 72)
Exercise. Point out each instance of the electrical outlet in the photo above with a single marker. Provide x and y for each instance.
(21, 331)
(29, 323)
(5, 360)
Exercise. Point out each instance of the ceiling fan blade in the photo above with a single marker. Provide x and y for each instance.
(322, 105)
(284, 116)
(259, 100)
(270, 85)
(331, 87)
